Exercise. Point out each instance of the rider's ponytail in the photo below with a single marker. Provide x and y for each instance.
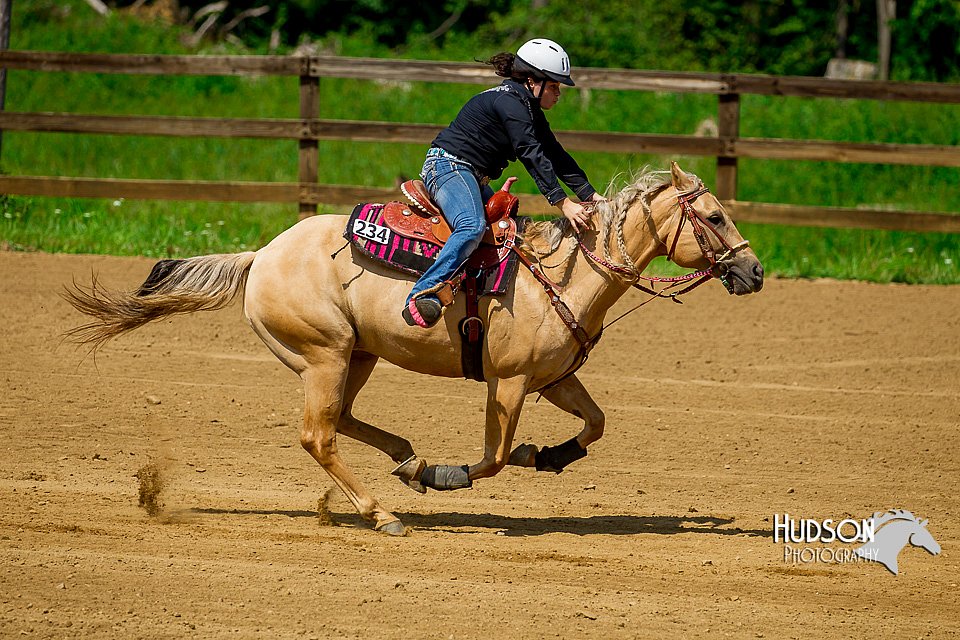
(503, 64)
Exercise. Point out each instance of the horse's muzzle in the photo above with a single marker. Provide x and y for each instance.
(741, 275)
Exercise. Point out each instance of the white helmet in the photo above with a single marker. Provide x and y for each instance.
(546, 58)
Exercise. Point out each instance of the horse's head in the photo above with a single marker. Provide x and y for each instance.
(696, 232)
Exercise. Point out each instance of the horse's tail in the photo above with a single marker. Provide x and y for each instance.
(204, 283)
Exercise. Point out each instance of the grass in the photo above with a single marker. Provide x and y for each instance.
(138, 228)
(177, 229)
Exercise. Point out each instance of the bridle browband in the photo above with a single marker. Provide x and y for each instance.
(718, 269)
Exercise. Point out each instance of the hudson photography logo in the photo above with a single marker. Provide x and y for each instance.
(878, 538)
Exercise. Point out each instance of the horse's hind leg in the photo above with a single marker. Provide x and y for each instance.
(399, 449)
(571, 396)
(324, 385)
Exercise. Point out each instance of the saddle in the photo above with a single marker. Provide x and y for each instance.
(423, 220)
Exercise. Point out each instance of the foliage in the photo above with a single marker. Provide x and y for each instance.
(928, 41)
(178, 229)
(790, 37)
(719, 35)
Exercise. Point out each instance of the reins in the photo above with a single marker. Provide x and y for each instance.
(717, 269)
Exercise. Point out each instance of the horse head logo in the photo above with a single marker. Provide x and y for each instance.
(892, 531)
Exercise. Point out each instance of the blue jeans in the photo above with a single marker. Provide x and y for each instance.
(453, 184)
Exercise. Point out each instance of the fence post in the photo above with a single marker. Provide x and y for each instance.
(309, 160)
(728, 128)
(5, 7)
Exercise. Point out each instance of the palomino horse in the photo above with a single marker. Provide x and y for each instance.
(330, 315)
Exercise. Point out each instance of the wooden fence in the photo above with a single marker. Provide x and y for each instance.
(727, 147)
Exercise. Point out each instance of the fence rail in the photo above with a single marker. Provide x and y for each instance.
(468, 73)
(727, 147)
(371, 131)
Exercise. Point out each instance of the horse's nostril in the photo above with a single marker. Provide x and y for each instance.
(758, 270)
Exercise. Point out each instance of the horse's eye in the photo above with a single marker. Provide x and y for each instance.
(716, 219)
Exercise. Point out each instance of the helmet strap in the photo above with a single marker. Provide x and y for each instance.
(543, 87)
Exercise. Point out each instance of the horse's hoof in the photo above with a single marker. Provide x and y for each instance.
(393, 528)
(524, 455)
(416, 486)
(409, 473)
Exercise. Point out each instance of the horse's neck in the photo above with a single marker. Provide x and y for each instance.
(593, 288)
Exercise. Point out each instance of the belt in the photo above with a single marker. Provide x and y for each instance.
(437, 152)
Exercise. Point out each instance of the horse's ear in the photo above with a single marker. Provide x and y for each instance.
(680, 179)
(924, 523)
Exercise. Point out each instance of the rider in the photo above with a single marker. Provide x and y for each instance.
(494, 128)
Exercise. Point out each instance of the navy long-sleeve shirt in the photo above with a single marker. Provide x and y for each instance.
(504, 124)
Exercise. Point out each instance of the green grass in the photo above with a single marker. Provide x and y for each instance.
(876, 256)
(147, 228)
(177, 229)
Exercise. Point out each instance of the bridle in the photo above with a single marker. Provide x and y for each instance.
(718, 269)
(718, 265)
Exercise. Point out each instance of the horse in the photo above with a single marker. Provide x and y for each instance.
(330, 315)
(892, 531)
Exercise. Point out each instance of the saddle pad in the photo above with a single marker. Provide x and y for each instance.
(366, 231)
(402, 219)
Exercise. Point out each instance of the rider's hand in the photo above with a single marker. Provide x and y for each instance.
(574, 212)
(596, 197)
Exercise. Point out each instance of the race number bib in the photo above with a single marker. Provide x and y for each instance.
(371, 231)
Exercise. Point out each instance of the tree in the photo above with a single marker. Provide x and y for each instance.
(927, 40)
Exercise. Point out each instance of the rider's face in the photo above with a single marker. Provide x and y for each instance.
(551, 93)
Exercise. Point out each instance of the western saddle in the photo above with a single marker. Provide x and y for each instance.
(425, 221)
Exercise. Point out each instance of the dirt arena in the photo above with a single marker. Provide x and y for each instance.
(819, 399)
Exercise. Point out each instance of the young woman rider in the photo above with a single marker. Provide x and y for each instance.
(500, 125)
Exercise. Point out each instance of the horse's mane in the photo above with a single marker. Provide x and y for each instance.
(544, 238)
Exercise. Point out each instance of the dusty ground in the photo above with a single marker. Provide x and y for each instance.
(821, 399)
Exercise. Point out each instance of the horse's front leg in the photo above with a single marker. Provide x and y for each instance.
(504, 402)
(571, 396)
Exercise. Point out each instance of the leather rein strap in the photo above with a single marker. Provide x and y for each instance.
(717, 268)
